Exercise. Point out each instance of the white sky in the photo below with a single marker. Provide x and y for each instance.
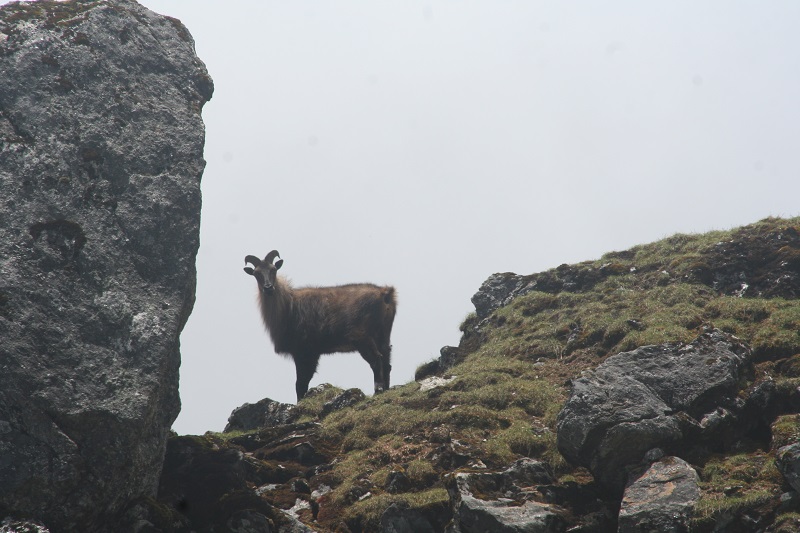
(429, 144)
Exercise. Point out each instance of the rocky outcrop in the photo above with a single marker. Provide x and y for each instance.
(764, 264)
(503, 501)
(257, 482)
(636, 421)
(101, 151)
(654, 396)
(500, 289)
(269, 413)
(262, 414)
(661, 499)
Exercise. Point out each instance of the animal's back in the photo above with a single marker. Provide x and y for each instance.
(346, 312)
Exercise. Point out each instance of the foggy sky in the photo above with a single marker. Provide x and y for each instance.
(428, 145)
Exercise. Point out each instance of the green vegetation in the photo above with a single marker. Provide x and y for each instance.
(512, 378)
(510, 387)
(311, 406)
(734, 483)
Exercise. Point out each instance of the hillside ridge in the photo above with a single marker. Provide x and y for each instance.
(475, 443)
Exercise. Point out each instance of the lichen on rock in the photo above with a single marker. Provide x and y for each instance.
(101, 155)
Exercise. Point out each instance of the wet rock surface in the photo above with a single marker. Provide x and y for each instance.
(101, 155)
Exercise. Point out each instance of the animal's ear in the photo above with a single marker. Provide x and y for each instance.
(278, 264)
(248, 270)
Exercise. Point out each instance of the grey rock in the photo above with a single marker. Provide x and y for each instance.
(650, 398)
(399, 518)
(101, 155)
(789, 502)
(788, 462)
(434, 382)
(10, 525)
(265, 413)
(348, 398)
(661, 499)
(509, 509)
(290, 524)
(449, 356)
(529, 471)
(249, 522)
(498, 290)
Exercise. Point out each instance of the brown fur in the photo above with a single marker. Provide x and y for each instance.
(307, 322)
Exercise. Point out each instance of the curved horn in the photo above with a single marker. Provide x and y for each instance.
(271, 256)
(255, 261)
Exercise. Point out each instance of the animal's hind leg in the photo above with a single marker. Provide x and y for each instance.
(369, 351)
(306, 368)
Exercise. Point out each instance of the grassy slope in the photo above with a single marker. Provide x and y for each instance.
(513, 378)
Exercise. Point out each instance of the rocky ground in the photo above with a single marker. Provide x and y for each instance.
(654, 389)
(639, 392)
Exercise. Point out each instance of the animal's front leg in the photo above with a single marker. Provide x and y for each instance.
(306, 367)
(387, 369)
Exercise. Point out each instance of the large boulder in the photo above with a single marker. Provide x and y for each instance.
(653, 397)
(101, 155)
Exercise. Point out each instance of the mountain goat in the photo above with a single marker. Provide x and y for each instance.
(305, 323)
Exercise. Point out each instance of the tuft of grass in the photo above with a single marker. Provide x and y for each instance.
(786, 523)
(785, 431)
(310, 407)
(735, 483)
(709, 508)
(421, 473)
(522, 439)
